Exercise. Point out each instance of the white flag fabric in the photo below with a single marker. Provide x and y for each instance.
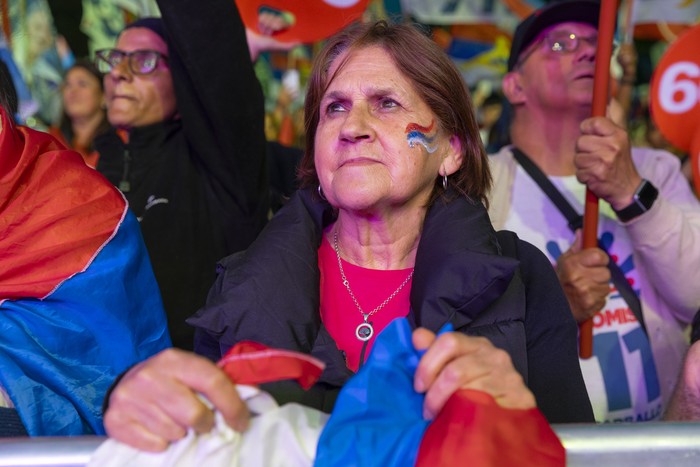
(283, 436)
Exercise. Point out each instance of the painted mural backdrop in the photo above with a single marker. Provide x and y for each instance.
(475, 33)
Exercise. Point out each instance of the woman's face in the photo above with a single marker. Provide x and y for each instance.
(39, 32)
(82, 94)
(378, 145)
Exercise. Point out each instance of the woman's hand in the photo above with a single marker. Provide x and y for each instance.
(157, 401)
(455, 361)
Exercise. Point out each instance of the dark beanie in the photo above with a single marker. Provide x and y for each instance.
(150, 22)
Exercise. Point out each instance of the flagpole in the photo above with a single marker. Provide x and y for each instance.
(606, 33)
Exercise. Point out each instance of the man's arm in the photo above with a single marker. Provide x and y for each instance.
(666, 238)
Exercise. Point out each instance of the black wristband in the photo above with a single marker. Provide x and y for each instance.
(642, 200)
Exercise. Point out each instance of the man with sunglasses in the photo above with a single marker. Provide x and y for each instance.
(649, 219)
(187, 148)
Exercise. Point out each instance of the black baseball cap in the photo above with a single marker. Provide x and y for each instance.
(580, 11)
(153, 23)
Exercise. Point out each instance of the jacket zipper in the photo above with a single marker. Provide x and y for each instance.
(124, 184)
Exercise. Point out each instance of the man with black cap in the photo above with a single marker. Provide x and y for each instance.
(649, 219)
(188, 146)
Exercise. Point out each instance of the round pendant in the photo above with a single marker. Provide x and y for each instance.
(364, 331)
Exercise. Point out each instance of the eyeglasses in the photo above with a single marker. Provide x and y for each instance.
(561, 42)
(141, 62)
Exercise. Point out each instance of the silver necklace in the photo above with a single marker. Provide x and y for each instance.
(365, 330)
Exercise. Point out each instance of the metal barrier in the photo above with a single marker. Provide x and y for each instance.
(637, 444)
(55, 452)
(617, 445)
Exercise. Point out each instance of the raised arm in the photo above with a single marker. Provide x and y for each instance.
(219, 97)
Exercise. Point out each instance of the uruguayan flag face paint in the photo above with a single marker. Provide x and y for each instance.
(417, 134)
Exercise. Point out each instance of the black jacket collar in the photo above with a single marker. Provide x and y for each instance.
(459, 272)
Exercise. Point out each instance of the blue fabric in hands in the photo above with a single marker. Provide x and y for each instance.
(378, 417)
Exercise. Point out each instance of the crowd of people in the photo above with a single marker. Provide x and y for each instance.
(398, 212)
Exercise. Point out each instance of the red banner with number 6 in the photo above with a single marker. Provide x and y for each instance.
(675, 97)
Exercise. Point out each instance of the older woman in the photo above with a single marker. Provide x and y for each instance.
(391, 223)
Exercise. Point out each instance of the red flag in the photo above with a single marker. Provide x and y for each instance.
(44, 241)
(472, 429)
(252, 363)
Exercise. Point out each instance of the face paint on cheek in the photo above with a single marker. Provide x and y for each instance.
(416, 134)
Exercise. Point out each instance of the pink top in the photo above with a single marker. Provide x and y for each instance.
(371, 287)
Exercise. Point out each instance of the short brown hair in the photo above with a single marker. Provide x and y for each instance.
(435, 78)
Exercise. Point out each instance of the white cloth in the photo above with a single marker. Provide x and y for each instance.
(5, 400)
(664, 244)
(278, 436)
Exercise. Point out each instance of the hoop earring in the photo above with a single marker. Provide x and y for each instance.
(444, 177)
(320, 193)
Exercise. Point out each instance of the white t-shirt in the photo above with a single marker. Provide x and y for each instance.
(621, 376)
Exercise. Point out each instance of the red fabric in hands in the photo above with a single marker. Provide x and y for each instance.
(252, 363)
(472, 429)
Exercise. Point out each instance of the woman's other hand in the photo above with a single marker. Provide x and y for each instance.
(454, 361)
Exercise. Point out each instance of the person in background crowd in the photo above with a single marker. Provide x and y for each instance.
(84, 110)
(489, 115)
(388, 223)
(187, 148)
(41, 64)
(685, 403)
(649, 219)
(78, 300)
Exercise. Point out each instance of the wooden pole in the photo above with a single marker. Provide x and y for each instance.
(601, 95)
